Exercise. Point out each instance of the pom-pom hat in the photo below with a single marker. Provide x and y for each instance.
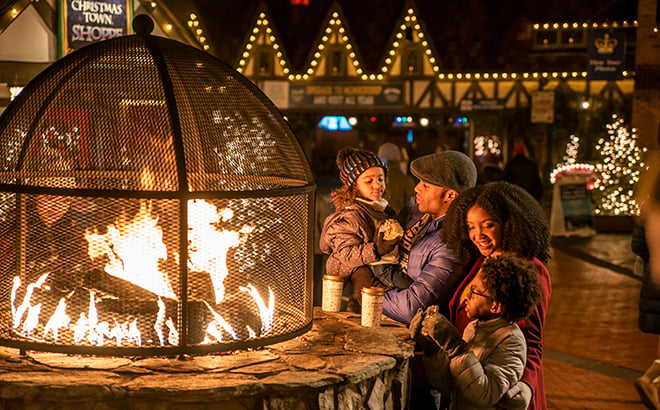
(447, 169)
(354, 161)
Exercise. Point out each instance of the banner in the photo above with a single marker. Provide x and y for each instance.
(83, 22)
(345, 95)
(606, 53)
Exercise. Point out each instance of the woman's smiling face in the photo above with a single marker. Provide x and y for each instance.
(484, 231)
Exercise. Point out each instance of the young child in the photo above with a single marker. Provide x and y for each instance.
(351, 236)
(479, 368)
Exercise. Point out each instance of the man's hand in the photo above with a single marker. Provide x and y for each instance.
(383, 247)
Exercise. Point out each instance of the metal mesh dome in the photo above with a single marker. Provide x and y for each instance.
(187, 200)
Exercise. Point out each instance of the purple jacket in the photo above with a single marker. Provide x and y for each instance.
(434, 269)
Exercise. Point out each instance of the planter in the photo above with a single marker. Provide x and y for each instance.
(613, 223)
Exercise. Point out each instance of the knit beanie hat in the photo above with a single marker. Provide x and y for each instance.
(354, 161)
(447, 169)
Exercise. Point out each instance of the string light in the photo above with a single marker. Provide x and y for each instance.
(262, 34)
(335, 30)
(410, 23)
(571, 166)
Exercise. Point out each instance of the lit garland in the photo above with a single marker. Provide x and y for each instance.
(571, 166)
(409, 21)
(193, 25)
(263, 31)
(336, 29)
(596, 26)
(620, 170)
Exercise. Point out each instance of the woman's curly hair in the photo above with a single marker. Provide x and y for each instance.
(514, 283)
(525, 229)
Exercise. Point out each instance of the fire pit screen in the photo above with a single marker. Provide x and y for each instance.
(152, 202)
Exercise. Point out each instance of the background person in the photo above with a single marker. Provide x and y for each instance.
(489, 220)
(523, 171)
(399, 185)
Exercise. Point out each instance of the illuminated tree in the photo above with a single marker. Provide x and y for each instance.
(620, 170)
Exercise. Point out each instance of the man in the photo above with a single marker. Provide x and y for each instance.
(431, 265)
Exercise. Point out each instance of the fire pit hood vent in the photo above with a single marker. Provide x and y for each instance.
(180, 207)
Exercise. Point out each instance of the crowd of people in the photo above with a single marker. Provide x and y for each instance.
(466, 274)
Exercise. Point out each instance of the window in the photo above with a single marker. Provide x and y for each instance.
(336, 62)
(412, 60)
(264, 62)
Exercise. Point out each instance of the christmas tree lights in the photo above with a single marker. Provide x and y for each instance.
(620, 170)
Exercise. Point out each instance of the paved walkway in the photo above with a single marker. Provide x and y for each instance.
(592, 347)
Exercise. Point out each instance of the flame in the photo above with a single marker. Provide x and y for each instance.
(20, 311)
(88, 325)
(160, 321)
(219, 320)
(209, 245)
(58, 320)
(32, 319)
(265, 312)
(134, 251)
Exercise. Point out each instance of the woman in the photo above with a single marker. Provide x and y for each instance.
(489, 220)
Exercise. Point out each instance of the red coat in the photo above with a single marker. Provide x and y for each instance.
(532, 328)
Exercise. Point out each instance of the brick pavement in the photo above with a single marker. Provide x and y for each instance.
(593, 349)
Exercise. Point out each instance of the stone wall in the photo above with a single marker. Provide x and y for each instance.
(337, 365)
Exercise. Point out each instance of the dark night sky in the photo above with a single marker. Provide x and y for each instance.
(467, 34)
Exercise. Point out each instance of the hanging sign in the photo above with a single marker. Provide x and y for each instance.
(543, 107)
(606, 53)
(85, 22)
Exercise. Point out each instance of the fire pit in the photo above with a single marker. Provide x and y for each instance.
(152, 202)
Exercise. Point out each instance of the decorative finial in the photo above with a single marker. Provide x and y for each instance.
(143, 24)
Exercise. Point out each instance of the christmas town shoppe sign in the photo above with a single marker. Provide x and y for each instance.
(85, 22)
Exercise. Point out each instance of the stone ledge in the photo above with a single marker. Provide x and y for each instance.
(338, 364)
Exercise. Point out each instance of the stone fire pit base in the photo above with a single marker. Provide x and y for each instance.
(337, 365)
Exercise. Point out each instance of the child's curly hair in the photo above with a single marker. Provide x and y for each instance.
(525, 229)
(514, 283)
(343, 196)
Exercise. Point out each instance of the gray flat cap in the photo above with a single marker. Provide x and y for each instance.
(448, 169)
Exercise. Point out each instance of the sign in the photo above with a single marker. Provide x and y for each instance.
(85, 22)
(482, 104)
(345, 95)
(576, 205)
(606, 54)
(543, 107)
